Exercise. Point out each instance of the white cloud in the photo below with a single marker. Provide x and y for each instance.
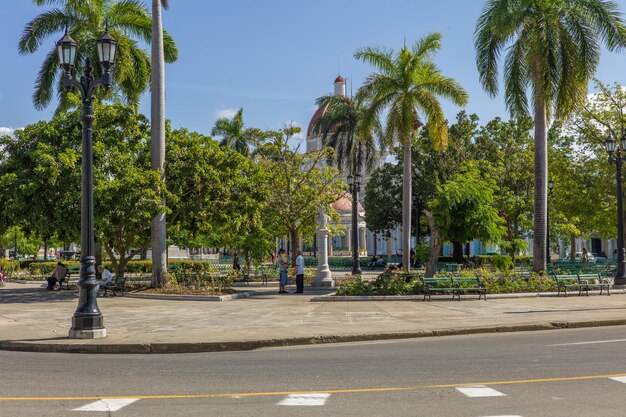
(227, 113)
(6, 131)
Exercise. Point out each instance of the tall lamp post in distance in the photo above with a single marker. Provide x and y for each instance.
(550, 188)
(354, 181)
(620, 274)
(87, 322)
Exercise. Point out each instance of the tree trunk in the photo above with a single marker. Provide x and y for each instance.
(45, 250)
(457, 252)
(406, 207)
(157, 146)
(435, 245)
(572, 249)
(294, 245)
(541, 185)
(97, 252)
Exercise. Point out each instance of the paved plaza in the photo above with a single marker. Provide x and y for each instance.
(37, 320)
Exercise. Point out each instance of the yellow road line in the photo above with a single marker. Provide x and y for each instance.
(332, 391)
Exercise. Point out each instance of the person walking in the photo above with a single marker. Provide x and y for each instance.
(282, 271)
(299, 272)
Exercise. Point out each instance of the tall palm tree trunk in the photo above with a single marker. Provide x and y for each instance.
(406, 207)
(157, 147)
(541, 185)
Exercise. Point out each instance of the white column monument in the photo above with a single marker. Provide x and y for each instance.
(323, 277)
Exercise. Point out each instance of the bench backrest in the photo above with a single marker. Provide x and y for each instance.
(466, 280)
(588, 276)
(436, 281)
(559, 278)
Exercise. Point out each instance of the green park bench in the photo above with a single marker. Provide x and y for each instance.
(266, 273)
(118, 286)
(454, 285)
(582, 283)
(72, 275)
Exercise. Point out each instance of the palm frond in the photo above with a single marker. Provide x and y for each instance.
(379, 58)
(44, 25)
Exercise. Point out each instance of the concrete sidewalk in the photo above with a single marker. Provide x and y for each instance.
(34, 319)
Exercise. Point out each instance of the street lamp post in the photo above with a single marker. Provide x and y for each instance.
(550, 188)
(620, 274)
(87, 322)
(355, 187)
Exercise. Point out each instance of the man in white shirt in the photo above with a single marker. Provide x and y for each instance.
(105, 277)
(299, 273)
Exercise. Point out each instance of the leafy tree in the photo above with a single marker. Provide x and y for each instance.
(382, 199)
(299, 184)
(41, 172)
(408, 84)
(554, 53)
(218, 196)
(128, 21)
(504, 151)
(352, 131)
(235, 135)
(463, 209)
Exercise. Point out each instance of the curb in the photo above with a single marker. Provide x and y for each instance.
(144, 348)
(332, 297)
(176, 297)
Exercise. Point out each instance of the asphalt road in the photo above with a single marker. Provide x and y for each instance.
(554, 373)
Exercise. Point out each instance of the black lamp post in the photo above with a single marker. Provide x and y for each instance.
(550, 188)
(87, 322)
(620, 274)
(355, 187)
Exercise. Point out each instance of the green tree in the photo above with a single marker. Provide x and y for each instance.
(128, 22)
(464, 211)
(352, 131)
(235, 135)
(504, 151)
(219, 196)
(299, 184)
(554, 53)
(41, 172)
(408, 84)
(382, 199)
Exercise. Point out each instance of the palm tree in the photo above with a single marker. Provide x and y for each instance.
(157, 144)
(554, 52)
(344, 127)
(235, 135)
(128, 22)
(408, 84)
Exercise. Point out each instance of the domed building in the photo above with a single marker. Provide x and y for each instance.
(341, 245)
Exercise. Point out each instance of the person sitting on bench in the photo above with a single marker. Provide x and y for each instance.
(58, 276)
(105, 277)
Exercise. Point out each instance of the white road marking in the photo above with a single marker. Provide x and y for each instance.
(621, 379)
(589, 343)
(305, 399)
(110, 404)
(480, 391)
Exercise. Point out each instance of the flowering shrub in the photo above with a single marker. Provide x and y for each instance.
(495, 282)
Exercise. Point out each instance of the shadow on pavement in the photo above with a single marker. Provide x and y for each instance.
(35, 295)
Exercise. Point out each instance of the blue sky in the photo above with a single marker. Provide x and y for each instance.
(274, 58)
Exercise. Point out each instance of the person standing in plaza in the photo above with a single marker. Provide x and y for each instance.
(282, 271)
(299, 273)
